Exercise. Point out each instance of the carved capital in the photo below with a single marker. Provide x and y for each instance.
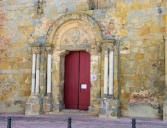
(108, 44)
(95, 47)
(105, 48)
(49, 49)
(43, 51)
(36, 50)
(106, 51)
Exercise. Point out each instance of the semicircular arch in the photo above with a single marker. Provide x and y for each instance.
(73, 28)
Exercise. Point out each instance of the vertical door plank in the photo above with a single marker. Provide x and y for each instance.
(84, 93)
(71, 80)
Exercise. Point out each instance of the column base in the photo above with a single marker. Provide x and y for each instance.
(94, 107)
(108, 96)
(59, 107)
(165, 109)
(33, 105)
(109, 108)
(48, 103)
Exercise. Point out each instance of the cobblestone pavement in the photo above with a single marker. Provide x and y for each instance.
(60, 121)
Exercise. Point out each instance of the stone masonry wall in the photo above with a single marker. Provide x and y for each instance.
(139, 25)
(15, 60)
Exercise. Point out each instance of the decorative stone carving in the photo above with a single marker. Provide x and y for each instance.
(75, 36)
(36, 49)
(78, 20)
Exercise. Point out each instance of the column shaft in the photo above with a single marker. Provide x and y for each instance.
(33, 73)
(37, 74)
(106, 72)
(49, 74)
(111, 72)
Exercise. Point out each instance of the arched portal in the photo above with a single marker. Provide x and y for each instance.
(78, 33)
(73, 21)
(74, 32)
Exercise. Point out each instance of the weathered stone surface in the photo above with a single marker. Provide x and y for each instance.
(165, 110)
(143, 110)
(140, 26)
(33, 105)
(48, 103)
(109, 108)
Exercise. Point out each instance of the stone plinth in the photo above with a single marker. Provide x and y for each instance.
(48, 103)
(109, 108)
(165, 109)
(33, 105)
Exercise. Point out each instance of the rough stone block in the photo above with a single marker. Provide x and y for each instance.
(165, 110)
(33, 105)
(109, 108)
(48, 103)
(142, 110)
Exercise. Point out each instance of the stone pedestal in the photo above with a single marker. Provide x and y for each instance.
(48, 103)
(165, 109)
(109, 108)
(93, 109)
(33, 105)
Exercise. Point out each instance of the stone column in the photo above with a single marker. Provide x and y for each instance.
(106, 72)
(48, 99)
(109, 104)
(43, 64)
(111, 72)
(37, 74)
(34, 104)
(33, 73)
(49, 74)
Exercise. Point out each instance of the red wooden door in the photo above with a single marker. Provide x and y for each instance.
(84, 82)
(77, 80)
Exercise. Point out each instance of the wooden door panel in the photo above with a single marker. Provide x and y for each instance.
(71, 80)
(84, 93)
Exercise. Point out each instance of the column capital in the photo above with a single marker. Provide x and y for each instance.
(49, 49)
(111, 48)
(36, 50)
(105, 49)
(111, 41)
(43, 50)
(108, 44)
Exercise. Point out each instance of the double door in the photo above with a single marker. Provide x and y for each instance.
(77, 80)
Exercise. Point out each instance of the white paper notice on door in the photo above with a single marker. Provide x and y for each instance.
(83, 86)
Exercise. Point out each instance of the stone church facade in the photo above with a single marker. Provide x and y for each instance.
(126, 42)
